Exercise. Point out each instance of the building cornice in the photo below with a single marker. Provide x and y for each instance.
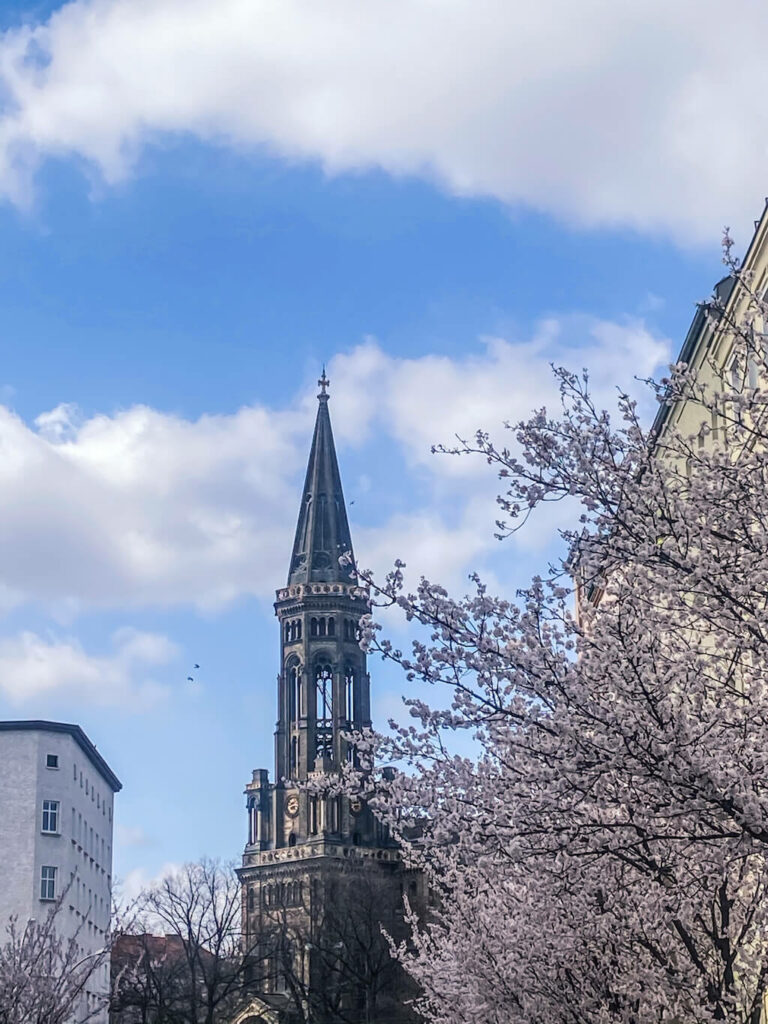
(77, 734)
(323, 848)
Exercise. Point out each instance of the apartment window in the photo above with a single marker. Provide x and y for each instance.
(51, 760)
(51, 816)
(47, 883)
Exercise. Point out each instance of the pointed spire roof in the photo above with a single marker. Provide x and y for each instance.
(322, 532)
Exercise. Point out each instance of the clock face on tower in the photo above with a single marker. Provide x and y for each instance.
(292, 805)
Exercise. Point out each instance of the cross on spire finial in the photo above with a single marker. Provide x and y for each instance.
(323, 382)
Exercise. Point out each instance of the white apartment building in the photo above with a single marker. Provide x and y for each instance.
(56, 816)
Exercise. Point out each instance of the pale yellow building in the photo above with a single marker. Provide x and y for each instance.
(708, 346)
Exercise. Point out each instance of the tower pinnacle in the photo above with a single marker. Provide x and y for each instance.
(322, 530)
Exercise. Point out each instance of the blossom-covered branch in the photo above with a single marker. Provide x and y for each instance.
(605, 856)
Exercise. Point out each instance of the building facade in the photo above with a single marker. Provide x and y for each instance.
(708, 345)
(56, 821)
(320, 873)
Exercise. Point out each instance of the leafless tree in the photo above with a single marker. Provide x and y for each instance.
(321, 956)
(331, 956)
(195, 971)
(45, 978)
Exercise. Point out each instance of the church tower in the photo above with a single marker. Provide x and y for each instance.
(317, 862)
(323, 689)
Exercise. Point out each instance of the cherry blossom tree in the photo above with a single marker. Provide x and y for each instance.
(46, 978)
(604, 856)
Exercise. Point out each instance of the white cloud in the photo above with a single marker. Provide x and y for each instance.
(130, 835)
(649, 115)
(32, 666)
(431, 547)
(145, 508)
(432, 399)
(59, 424)
(136, 881)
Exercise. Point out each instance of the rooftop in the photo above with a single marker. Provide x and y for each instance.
(77, 734)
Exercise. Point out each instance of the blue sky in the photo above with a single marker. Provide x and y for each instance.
(199, 205)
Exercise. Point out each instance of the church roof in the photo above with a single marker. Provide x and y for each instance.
(322, 532)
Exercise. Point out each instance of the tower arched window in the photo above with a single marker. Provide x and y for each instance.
(294, 755)
(322, 626)
(324, 710)
(349, 692)
(252, 820)
(287, 632)
(313, 626)
(294, 691)
(298, 629)
(313, 815)
(331, 627)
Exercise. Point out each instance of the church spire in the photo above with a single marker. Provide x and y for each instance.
(322, 532)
